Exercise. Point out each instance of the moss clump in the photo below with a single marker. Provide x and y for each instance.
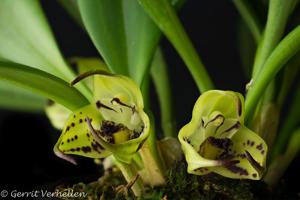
(180, 186)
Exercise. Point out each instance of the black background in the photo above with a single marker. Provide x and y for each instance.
(26, 140)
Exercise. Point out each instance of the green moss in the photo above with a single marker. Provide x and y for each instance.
(180, 186)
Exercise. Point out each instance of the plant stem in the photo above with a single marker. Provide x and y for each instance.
(160, 77)
(129, 172)
(285, 50)
(289, 124)
(281, 163)
(250, 18)
(164, 15)
(278, 13)
(152, 159)
(290, 73)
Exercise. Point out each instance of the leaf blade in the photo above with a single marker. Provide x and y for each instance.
(42, 83)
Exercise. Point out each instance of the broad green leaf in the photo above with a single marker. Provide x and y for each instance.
(142, 37)
(216, 140)
(15, 98)
(164, 15)
(104, 21)
(26, 38)
(42, 83)
(284, 51)
(115, 122)
(123, 33)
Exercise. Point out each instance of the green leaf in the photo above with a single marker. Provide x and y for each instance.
(71, 6)
(160, 77)
(285, 50)
(16, 98)
(26, 38)
(123, 34)
(164, 15)
(104, 22)
(42, 83)
(142, 37)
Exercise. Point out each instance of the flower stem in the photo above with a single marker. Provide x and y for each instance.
(129, 171)
(152, 160)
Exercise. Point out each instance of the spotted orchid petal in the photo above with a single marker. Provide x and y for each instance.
(216, 140)
(114, 124)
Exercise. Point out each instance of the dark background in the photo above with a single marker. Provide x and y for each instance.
(26, 140)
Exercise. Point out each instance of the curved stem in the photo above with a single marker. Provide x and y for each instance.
(250, 18)
(278, 13)
(164, 15)
(129, 172)
(285, 50)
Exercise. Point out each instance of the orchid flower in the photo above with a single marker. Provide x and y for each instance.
(216, 140)
(114, 123)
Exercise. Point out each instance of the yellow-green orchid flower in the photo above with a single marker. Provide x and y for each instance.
(216, 140)
(114, 124)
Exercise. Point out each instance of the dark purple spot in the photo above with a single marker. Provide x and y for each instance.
(254, 175)
(263, 152)
(222, 143)
(100, 105)
(81, 113)
(74, 116)
(237, 170)
(72, 139)
(252, 143)
(248, 142)
(62, 143)
(259, 147)
(68, 128)
(75, 137)
(86, 149)
(78, 149)
(68, 140)
(88, 135)
(253, 162)
(202, 123)
(72, 124)
(80, 121)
